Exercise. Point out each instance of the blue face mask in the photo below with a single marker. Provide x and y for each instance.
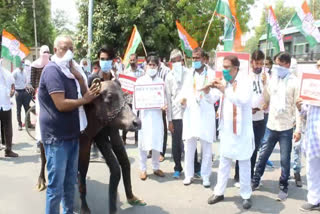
(196, 64)
(282, 72)
(226, 75)
(106, 65)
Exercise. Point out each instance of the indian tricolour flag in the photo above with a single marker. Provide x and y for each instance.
(187, 42)
(273, 33)
(304, 21)
(134, 42)
(12, 49)
(223, 10)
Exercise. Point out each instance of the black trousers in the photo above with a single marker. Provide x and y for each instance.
(177, 147)
(111, 146)
(165, 133)
(259, 128)
(6, 129)
(23, 98)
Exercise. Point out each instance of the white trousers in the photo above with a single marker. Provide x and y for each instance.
(223, 176)
(144, 157)
(313, 180)
(206, 161)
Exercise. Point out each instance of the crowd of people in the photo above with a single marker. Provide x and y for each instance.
(251, 111)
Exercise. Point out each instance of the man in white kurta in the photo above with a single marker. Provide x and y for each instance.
(199, 117)
(236, 131)
(150, 136)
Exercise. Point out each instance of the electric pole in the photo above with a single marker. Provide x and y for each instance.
(90, 14)
(35, 28)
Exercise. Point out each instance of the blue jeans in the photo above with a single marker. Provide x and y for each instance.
(62, 164)
(297, 157)
(268, 143)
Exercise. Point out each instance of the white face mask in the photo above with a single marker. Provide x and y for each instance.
(152, 72)
(68, 56)
(177, 66)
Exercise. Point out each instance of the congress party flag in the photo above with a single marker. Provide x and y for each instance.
(134, 42)
(273, 33)
(187, 42)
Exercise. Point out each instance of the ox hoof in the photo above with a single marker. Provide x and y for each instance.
(85, 210)
(41, 185)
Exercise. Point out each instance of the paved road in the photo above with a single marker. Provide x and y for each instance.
(164, 195)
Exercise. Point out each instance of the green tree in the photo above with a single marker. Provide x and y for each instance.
(61, 23)
(17, 18)
(315, 8)
(155, 19)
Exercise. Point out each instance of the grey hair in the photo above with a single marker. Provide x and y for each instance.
(175, 53)
(60, 38)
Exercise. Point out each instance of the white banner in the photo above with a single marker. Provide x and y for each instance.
(149, 96)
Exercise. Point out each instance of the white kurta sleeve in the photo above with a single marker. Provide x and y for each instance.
(242, 96)
(213, 96)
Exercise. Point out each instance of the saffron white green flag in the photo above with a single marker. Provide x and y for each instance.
(304, 21)
(12, 49)
(223, 10)
(273, 34)
(134, 42)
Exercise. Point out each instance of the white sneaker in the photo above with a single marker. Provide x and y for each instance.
(237, 184)
(187, 181)
(206, 182)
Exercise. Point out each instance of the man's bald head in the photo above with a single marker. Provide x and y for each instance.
(62, 44)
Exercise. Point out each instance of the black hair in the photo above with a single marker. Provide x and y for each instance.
(153, 58)
(257, 55)
(96, 63)
(198, 49)
(269, 59)
(276, 56)
(284, 57)
(107, 50)
(234, 60)
(206, 55)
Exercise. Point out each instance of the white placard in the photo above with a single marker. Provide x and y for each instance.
(150, 96)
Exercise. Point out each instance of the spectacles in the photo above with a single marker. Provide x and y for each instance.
(46, 52)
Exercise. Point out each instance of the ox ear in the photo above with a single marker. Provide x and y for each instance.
(118, 82)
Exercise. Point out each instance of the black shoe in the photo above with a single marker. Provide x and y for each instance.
(10, 154)
(297, 178)
(255, 186)
(309, 207)
(246, 204)
(215, 199)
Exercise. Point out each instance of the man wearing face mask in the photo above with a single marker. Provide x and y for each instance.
(281, 94)
(84, 63)
(199, 117)
(23, 98)
(174, 83)
(257, 58)
(62, 117)
(150, 136)
(37, 67)
(133, 71)
(235, 129)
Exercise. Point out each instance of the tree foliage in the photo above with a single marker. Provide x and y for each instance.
(113, 21)
(61, 23)
(17, 18)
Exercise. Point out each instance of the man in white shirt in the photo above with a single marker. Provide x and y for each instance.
(236, 132)
(6, 91)
(132, 71)
(256, 74)
(199, 117)
(23, 98)
(174, 83)
(281, 93)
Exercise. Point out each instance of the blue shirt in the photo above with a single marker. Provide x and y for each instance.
(56, 125)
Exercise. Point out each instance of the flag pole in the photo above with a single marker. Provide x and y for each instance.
(144, 48)
(205, 37)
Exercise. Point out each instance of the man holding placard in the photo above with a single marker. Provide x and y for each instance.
(311, 146)
(149, 100)
(135, 72)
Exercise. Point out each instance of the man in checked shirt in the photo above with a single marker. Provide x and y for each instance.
(311, 147)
